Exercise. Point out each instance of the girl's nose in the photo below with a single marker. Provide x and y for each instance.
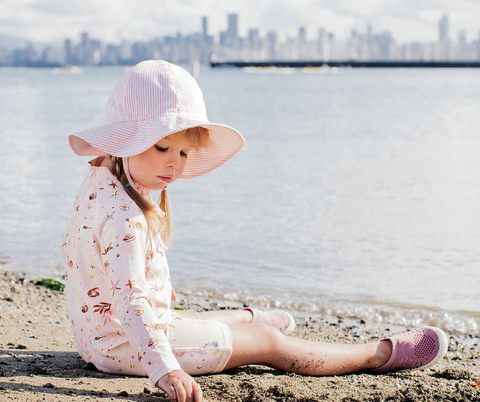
(175, 162)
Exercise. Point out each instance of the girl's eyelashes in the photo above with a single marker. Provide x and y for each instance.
(159, 148)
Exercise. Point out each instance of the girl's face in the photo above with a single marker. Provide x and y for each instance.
(161, 164)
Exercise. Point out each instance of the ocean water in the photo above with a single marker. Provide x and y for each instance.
(356, 194)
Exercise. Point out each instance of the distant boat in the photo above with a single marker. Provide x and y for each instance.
(68, 70)
(270, 69)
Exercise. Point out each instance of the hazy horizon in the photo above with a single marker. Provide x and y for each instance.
(51, 21)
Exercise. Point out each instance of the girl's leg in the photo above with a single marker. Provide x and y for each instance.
(261, 344)
(226, 316)
(280, 320)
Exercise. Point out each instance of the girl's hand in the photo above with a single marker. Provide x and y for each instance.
(174, 295)
(180, 387)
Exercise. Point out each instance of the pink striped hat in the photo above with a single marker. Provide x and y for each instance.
(152, 100)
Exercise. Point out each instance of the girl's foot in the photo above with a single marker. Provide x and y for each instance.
(417, 349)
(280, 320)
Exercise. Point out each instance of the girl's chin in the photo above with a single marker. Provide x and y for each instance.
(157, 188)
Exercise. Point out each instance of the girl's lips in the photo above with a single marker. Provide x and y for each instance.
(166, 179)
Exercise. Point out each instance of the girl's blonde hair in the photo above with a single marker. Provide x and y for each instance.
(197, 137)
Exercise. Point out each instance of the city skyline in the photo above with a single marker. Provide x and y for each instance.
(112, 21)
(229, 45)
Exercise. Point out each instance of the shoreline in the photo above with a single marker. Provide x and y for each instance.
(375, 312)
(39, 360)
(380, 312)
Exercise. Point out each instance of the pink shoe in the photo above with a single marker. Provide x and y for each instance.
(417, 349)
(280, 320)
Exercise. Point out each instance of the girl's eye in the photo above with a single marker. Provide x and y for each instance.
(160, 148)
(184, 154)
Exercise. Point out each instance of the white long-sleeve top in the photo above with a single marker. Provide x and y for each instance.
(117, 291)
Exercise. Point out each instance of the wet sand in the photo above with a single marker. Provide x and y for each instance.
(39, 362)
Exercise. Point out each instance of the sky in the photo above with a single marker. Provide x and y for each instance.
(47, 21)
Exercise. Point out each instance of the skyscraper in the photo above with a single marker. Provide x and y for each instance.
(229, 38)
(272, 44)
(205, 26)
(68, 51)
(254, 39)
(232, 26)
(302, 43)
(443, 39)
(302, 34)
(443, 29)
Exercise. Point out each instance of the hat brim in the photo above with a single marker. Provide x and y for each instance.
(124, 139)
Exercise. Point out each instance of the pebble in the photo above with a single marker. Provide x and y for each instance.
(38, 370)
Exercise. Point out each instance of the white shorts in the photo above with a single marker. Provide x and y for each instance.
(200, 346)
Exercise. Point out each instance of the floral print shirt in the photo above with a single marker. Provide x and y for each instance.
(117, 291)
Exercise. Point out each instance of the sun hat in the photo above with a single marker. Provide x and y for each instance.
(151, 101)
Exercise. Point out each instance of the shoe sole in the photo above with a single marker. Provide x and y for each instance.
(291, 325)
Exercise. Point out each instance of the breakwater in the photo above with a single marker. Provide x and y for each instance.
(348, 63)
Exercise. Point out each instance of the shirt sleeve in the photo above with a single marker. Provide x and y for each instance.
(140, 289)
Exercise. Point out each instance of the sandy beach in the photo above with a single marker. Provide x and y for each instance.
(39, 361)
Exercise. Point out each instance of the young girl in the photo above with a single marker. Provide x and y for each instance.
(117, 279)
